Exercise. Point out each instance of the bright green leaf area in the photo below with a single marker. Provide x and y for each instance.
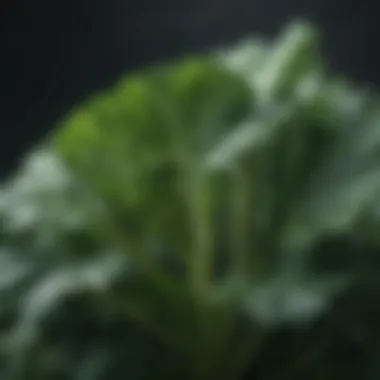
(254, 150)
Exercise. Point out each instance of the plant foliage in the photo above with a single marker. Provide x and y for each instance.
(185, 231)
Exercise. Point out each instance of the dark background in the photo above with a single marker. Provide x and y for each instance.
(55, 53)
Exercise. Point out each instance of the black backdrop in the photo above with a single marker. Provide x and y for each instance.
(54, 53)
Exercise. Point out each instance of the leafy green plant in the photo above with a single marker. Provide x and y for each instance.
(205, 185)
